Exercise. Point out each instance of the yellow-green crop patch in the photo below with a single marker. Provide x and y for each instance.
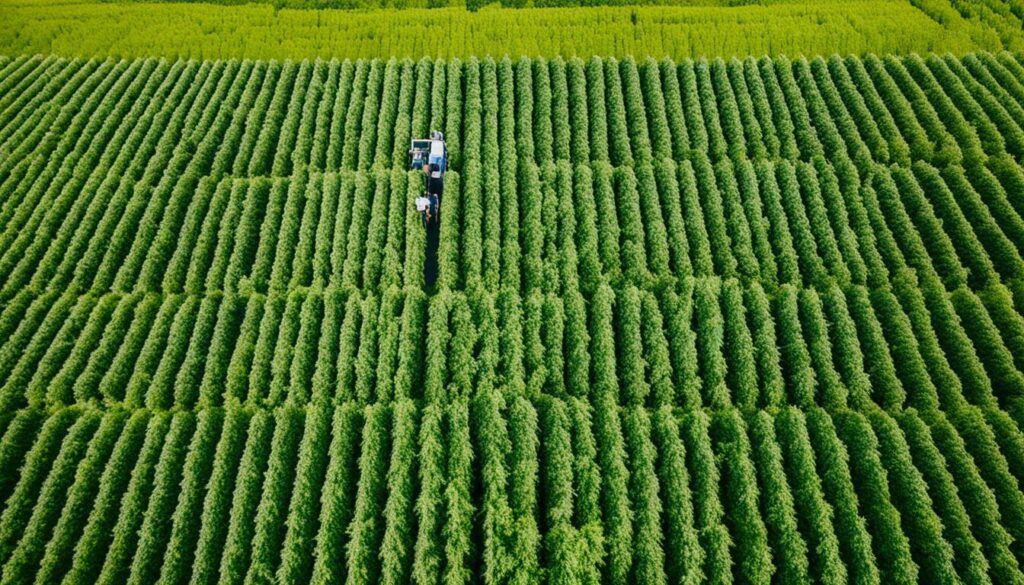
(260, 31)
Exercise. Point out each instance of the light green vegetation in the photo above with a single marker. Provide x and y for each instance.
(259, 31)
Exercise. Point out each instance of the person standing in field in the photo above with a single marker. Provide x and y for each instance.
(423, 206)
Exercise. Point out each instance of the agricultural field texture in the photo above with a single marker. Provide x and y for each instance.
(744, 320)
(749, 310)
(87, 28)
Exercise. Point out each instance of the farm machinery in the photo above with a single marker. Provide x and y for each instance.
(431, 156)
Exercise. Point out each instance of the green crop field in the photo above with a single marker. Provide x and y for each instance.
(259, 31)
(712, 315)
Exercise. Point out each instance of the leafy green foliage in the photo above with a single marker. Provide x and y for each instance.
(749, 321)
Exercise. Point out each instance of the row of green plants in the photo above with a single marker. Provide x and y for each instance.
(497, 487)
(750, 321)
(702, 342)
(273, 29)
(1002, 17)
(1005, 17)
(807, 224)
(772, 222)
(467, 4)
(901, 162)
(937, 109)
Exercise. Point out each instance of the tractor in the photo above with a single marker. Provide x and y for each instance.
(431, 156)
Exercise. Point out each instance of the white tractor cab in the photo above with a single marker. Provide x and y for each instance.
(430, 151)
(431, 156)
